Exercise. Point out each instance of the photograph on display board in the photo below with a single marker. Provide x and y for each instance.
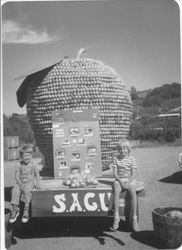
(60, 132)
(75, 156)
(89, 131)
(89, 166)
(75, 170)
(92, 150)
(81, 141)
(74, 131)
(62, 164)
(60, 153)
(56, 125)
(66, 143)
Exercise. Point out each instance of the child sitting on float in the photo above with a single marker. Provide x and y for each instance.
(27, 177)
(124, 170)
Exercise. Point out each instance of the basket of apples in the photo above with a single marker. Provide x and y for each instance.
(81, 180)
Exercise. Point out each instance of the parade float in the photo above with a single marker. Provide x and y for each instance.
(78, 109)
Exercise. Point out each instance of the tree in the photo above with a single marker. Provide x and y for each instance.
(136, 130)
(158, 95)
(133, 93)
(18, 125)
(170, 135)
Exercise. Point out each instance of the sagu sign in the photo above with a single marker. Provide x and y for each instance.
(81, 202)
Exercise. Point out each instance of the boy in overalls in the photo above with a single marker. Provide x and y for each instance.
(27, 177)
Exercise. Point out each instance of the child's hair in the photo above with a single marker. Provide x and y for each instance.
(27, 148)
(124, 142)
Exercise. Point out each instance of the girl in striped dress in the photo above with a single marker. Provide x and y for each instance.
(124, 170)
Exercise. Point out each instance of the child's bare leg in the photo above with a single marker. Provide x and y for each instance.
(117, 191)
(16, 207)
(25, 216)
(133, 207)
(133, 200)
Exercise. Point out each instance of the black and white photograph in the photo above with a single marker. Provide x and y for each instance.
(75, 156)
(81, 141)
(90, 165)
(95, 83)
(62, 165)
(91, 150)
(59, 132)
(60, 153)
(88, 131)
(74, 132)
(66, 143)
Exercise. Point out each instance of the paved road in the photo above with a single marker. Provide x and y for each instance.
(158, 167)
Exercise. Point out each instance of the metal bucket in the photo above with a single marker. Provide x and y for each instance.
(8, 228)
(167, 229)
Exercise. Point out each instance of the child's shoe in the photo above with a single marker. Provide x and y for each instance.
(115, 224)
(25, 217)
(13, 217)
(135, 224)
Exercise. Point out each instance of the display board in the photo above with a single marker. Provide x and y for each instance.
(76, 142)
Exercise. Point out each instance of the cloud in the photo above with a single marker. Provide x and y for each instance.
(14, 32)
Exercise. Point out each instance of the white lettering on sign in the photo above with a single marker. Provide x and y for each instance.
(90, 207)
(102, 201)
(75, 204)
(60, 200)
(91, 202)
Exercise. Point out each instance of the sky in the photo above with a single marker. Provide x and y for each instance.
(140, 39)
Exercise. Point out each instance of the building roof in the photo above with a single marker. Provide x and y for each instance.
(168, 115)
(21, 93)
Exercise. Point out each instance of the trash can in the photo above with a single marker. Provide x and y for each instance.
(8, 228)
(168, 229)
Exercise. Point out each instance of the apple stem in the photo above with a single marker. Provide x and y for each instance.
(80, 52)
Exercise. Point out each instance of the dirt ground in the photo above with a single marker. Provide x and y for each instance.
(157, 167)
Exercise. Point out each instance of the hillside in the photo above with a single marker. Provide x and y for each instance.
(157, 113)
(158, 100)
(143, 93)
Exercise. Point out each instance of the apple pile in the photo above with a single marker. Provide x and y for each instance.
(79, 83)
(80, 180)
(175, 214)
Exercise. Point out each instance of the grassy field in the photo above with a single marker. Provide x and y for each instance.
(157, 167)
